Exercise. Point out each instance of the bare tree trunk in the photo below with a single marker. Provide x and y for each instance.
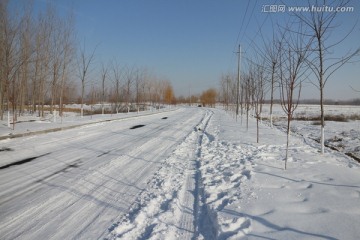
(104, 72)
(272, 94)
(287, 139)
(68, 53)
(117, 82)
(83, 65)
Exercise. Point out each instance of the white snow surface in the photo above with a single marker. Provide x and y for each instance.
(192, 173)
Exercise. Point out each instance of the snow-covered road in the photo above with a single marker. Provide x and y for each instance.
(77, 183)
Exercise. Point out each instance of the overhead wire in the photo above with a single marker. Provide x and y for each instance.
(238, 38)
(242, 23)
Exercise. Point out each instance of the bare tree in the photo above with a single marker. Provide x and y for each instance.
(15, 55)
(208, 97)
(248, 93)
(226, 90)
(271, 56)
(354, 89)
(42, 58)
(257, 79)
(56, 57)
(320, 25)
(168, 93)
(3, 22)
(84, 62)
(67, 56)
(104, 75)
(269, 52)
(130, 73)
(140, 86)
(117, 85)
(291, 74)
(26, 38)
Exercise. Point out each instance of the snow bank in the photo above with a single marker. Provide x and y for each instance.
(318, 197)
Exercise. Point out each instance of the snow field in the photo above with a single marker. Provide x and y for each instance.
(342, 136)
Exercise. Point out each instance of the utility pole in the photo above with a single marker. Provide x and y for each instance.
(238, 83)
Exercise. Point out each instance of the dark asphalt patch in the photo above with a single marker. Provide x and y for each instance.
(75, 164)
(164, 118)
(137, 126)
(5, 149)
(26, 160)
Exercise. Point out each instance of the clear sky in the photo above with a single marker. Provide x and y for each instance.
(192, 42)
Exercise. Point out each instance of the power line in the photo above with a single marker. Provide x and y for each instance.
(239, 39)
(242, 23)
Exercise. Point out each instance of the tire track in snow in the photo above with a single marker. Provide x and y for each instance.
(182, 200)
(134, 169)
(62, 154)
(204, 217)
(165, 210)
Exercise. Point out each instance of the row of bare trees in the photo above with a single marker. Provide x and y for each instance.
(298, 52)
(128, 88)
(42, 67)
(35, 58)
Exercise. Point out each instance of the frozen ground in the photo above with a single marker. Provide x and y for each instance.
(193, 173)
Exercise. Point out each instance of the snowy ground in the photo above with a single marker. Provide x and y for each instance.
(343, 136)
(193, 173)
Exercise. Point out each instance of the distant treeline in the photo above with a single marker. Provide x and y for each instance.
(355, 102)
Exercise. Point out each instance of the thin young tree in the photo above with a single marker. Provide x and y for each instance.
(292, 72)
(67, 56)
(56, 59)
(323, 63)
(130, 73)
(3, 20)
(84, 62)
(27, 51)
(269, 51)
(142, 79)
(257, 76)
(116, 78)
(248, 92)
(271, 56)
(43, 24)
(168, 93)
(104, 75)
(43, 59)
(14, 37)
(225, 86)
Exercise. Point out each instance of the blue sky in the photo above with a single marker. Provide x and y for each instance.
(191, 42)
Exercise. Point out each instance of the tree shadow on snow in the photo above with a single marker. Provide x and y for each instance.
(273, 226)
(308, 181)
